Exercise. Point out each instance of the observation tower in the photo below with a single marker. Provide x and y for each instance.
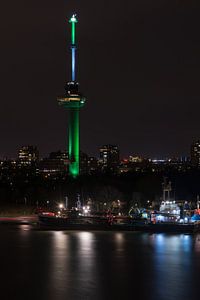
(73, 100)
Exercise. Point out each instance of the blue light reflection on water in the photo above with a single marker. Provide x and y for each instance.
(99, 265)
(172, 265)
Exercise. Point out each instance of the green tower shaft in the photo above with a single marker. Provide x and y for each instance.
(73, 100)
(74, 142)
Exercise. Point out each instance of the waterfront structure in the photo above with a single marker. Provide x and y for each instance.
(109, 157)
(28, 155)
(167, 188)
(169, 209)
(73, 101)
(195, 154)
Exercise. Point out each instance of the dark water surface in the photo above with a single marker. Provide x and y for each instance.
(97, 265)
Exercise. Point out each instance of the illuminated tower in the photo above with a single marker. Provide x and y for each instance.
(73, 100)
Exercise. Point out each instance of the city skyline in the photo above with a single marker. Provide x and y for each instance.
(97, 153)
(100, 149)
(141, 76)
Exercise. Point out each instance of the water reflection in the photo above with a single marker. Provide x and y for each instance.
(73, 266)
(58, 274)
(88, 278)
(119, 246)
(172, 263)
(197, 243)
(25, 230)
(86, 240)
(119, 237)
(99, 265)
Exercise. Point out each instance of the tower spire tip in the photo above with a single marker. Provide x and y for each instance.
(73, 19)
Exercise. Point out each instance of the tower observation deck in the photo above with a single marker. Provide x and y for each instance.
(73, 100)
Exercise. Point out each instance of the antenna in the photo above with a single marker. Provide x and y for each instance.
(73, 22)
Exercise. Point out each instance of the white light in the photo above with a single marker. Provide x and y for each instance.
(60, 205)
(73, 18)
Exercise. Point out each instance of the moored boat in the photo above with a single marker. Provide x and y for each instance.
(103, 223)
(73, 222)
(169, 227)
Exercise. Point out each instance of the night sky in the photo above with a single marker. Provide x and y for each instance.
(139, 68)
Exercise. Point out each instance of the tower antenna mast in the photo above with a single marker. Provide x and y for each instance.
(73, 22)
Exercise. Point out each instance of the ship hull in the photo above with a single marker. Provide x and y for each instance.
(169, 227)
(95, 223)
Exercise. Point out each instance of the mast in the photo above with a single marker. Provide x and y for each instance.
(73, 22)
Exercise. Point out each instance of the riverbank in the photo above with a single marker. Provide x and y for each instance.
(28, 219)
(16, 210)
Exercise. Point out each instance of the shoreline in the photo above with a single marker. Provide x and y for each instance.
(25, 219)
(33, 220)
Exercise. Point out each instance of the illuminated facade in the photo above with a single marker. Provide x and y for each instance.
(109, 157)
(59, 155)
(195, 154)
(135, 159)
(28, 155)
(55, 165)
(73, 100)
(88, 164)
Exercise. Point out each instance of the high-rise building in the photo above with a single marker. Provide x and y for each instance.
(195, 153)
(55, 165)
(109, 158)
(92, 165)
(62, 155)
(28, 156)
(83, 163)
(88, 164)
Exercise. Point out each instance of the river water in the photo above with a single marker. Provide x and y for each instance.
(36, 264)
